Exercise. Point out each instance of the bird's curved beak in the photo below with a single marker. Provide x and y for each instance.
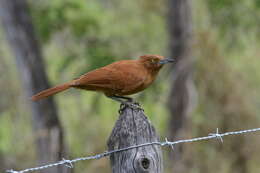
(166, 61)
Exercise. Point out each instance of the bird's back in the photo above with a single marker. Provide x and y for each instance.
(120, 78)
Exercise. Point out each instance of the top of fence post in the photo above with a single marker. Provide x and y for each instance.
(133, 128)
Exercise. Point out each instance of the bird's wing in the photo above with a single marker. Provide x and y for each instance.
(102, 78)
(118, 77)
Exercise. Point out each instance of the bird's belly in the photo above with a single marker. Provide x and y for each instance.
(131, 91)
(137, 89)
(96, 88)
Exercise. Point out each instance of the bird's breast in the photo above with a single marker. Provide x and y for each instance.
(138, 82)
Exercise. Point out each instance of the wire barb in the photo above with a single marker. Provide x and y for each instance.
(69, 164)
(169, 144)
(217, 135)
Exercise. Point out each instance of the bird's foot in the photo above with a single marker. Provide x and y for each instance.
(133, 105)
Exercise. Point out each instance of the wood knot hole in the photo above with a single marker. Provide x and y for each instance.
(145, 163)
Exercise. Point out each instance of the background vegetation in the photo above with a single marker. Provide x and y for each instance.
(77, 36)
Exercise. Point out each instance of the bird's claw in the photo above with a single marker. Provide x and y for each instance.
(133, 105)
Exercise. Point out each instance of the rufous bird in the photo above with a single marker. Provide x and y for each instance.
(116, 80)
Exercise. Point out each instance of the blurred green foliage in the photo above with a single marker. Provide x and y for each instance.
(102, 30)
(233, 19)
(78, 36)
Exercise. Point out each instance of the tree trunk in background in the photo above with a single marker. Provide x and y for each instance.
(20, 34)
(181, 99)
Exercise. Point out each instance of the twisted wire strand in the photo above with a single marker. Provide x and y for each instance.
(69, 163)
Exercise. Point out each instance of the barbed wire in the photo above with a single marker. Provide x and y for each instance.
(69, 163)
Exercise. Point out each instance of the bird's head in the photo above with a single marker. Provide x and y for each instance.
(154, 62)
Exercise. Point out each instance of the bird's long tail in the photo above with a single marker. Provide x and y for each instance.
(50, 91)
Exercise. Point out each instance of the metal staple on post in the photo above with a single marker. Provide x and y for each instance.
(69, 163)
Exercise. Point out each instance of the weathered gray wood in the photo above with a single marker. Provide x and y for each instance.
(133, 128)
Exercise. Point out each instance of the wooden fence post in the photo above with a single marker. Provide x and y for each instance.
(133, 128)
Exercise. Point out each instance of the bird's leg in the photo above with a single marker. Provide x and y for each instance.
(129, 99)
(126, 101)
(122, 99)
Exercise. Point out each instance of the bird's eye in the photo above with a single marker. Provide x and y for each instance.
(153, 61)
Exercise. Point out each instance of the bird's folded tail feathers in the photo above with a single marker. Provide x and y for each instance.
(50, 91)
